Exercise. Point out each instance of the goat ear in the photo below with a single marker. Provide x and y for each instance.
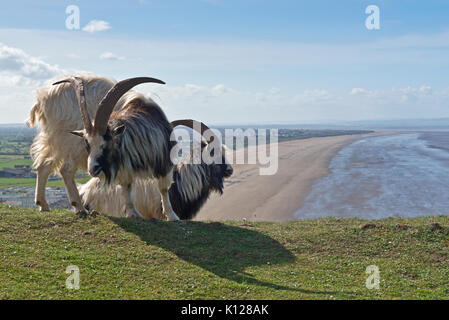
(119, 130)
(79, 133)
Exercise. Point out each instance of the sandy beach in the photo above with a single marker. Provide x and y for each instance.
(275, 198)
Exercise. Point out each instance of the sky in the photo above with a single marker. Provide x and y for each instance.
(235, 62)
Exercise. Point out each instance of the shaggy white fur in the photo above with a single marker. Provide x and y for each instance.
(54, 149)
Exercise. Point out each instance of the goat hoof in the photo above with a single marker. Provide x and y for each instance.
(82, 214)
(94, 214)
(43, 207)
(134, 214)
(172, 216)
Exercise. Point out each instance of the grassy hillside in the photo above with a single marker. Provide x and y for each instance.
(315, 259)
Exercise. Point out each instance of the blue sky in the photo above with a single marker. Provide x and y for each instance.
(239, 61)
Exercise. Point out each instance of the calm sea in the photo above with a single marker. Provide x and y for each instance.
(398, 175)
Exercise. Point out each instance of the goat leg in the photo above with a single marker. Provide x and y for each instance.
(68, 175)
(43, 172)
(130, 210)
(163, 186)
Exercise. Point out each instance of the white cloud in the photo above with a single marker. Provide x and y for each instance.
(15, 104)
(251, 66)
(110, 56)
(397, 95)
(222, 104)
(73, 56)
(17, 68)
(355, 91)
(96, 26)
(406, 102)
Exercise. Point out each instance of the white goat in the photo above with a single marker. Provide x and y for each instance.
(54, 149)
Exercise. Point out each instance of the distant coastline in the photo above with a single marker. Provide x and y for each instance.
(247, 195)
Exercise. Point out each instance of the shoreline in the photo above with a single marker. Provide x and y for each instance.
(248, 195)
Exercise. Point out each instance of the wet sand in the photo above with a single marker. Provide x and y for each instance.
(277, 197)
(398, 175)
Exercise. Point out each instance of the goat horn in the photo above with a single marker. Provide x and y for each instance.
(190, 123)
(107, 105)
(78, 85)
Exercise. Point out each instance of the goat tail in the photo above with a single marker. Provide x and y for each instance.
(34, 113)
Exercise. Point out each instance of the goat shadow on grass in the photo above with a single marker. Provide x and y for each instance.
(221, 249)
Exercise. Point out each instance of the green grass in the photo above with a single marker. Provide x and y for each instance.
(11, 161)
(12, 144)
(314, 259)
(31, 182)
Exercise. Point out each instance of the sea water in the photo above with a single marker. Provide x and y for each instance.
(397, 175)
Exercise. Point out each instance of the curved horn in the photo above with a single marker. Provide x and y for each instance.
(107, 105)
(190, 123)
(78, 85)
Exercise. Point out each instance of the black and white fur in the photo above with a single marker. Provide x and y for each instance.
(192, 186)
(131, 143)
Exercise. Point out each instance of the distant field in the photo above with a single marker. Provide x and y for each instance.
(9, 146)
(299, 134)
(11, 161)
(16, 153)
(15, 149)
(30, 182)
